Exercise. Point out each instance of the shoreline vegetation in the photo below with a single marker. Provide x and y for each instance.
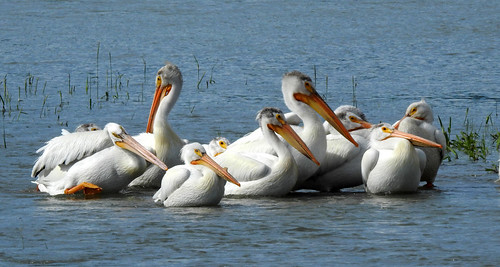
(477, 141)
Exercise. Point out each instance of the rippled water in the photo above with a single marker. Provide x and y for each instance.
(445, 51)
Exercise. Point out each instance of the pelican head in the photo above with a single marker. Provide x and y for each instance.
(418, 110)
(122, 139)
(384, 131)
(297, 88)
(168, 78)
(218, 145)
(87, 127)
(274, 119)
(195, 154)
(352, 118)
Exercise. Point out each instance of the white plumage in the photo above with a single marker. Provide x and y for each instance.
(92, 161)
(199, 182)
(303, 100)
(392, 164)
(418, 120)
(83, 128)
(341, 167)
(216, 146)
(159, 134)
(266, 174)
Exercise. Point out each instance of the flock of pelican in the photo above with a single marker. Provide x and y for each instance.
(292, 151)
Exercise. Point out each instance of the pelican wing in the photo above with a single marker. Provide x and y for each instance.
(173, 179)
(369, 161)
(440, 139)
(252, 142)
(65, 149)
(340, 151)
(246, 167)
(422, 159)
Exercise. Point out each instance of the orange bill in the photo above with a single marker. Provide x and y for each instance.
(415, 140)
(293, 139)
(214, 166)
(160, 93)
(132, 145)
(315, 101)
(364, 124)
(396, 126)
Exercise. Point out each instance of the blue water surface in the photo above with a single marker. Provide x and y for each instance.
(70, 62)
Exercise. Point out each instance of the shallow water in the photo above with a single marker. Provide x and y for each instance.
(444, 51)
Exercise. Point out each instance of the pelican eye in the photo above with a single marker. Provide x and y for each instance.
(198, 152)
(158, 80)
(386, 129)
(116, 135)
(308, 86)
(221, 143)
(280, 118)
(352, 118)
(123, 130)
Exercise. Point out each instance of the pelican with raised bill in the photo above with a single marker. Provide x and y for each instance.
(418, 120)
(341, 167)
(199, 182)
(265, 174)
(159, 134)
(305, 102)
(216, 146)
(92, 161)
(393, 164)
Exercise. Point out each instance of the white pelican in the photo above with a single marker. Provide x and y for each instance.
(418, 120)
(264, 174)
(199, 182)
(83, 128)
(216, 146)
(163, 139)
(303, 100)
(392, 164)
(341, 167)
(84, 161)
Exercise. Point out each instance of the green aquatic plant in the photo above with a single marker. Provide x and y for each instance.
(198, 72)
(210, 80)
(1, 99)
(97, 70)
(71, 88)
(354, 87)
(43, 105)
(7, 98)
(143, 82)
(326, 88)
(110, 73)
(473, 142)
(3, 134)
(496, 137)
